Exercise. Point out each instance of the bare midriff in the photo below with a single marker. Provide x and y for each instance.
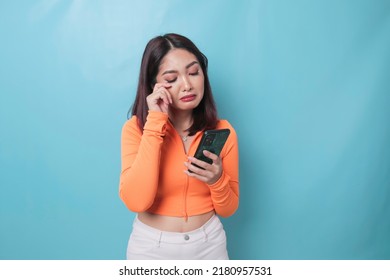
(174, 224)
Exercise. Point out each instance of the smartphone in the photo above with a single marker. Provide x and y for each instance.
(212, 141)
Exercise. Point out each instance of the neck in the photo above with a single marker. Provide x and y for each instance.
(181, 120)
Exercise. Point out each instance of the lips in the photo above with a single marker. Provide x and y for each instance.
(188, 98)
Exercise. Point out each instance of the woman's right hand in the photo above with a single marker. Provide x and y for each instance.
(160, 98)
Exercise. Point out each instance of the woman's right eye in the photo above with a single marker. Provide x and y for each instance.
(171, 81)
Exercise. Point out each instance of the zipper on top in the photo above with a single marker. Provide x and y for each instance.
(185, 214)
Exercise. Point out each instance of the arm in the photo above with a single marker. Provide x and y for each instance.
(140, 154)
(225, 192)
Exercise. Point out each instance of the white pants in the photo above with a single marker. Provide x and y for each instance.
(205, 243)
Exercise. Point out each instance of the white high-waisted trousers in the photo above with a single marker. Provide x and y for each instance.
(205, 243)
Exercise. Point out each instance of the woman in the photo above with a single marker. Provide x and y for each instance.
(176, 208)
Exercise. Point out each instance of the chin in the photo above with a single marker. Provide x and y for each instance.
(190, 106)
(183, 106)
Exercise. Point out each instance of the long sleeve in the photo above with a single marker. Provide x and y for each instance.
(225, 192)
(140, 155)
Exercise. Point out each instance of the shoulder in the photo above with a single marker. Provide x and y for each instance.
(131, 126)
(232, 141)
(155, 121)
(225, 124)
(133, 121)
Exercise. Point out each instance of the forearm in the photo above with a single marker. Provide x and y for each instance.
(225, 196)
(225, 192)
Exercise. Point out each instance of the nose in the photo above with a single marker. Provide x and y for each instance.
(186, 84)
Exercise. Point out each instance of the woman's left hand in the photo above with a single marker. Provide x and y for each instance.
(211, 172)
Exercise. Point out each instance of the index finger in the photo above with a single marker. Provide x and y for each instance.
(160, 85)
(210, 155)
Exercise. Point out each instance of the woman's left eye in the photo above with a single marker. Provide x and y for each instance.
(194, 73)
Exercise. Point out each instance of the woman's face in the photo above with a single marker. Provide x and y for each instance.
(183, 72)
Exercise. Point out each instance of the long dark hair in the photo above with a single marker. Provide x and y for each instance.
(205, 114)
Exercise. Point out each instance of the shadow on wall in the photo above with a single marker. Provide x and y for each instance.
(243, 229)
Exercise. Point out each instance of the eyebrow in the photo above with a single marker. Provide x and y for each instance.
(174, 71)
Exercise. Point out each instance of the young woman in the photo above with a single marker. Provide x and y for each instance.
(177, 209)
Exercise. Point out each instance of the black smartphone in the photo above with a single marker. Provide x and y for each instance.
(212, 141)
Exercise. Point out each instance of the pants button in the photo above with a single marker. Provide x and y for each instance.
(186, 237)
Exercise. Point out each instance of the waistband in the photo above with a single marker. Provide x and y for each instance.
(212, 225)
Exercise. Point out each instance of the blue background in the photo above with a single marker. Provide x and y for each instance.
(305, 83)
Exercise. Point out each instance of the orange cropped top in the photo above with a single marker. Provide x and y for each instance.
(152, 177)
